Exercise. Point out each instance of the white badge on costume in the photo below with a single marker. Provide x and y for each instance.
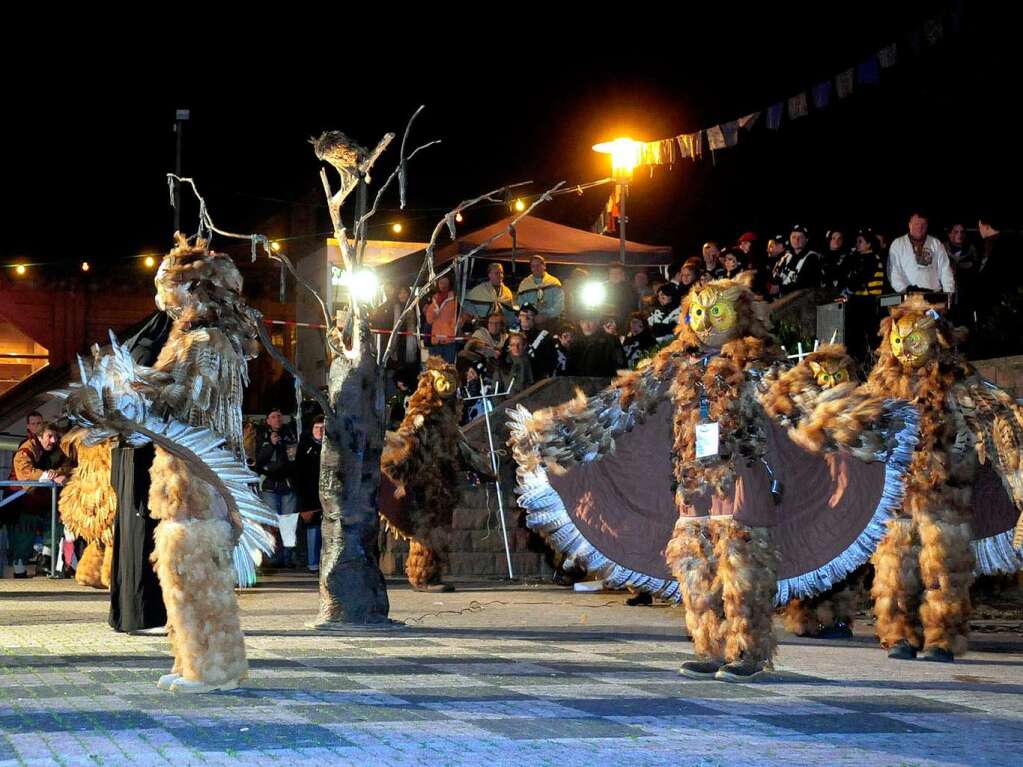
(707, 438)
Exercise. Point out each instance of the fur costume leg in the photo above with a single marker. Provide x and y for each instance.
(747, 568)
(90, 567)
(946, 572)
(810, 616)
(422, 566)
(108, 565)
(691, 557)
(193, 562)
(896, 589)
(199, 593)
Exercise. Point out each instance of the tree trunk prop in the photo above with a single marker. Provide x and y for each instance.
(352, 588)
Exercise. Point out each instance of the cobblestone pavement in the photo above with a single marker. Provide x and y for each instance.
(491, 674)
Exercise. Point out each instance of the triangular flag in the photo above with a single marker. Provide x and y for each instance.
(844, 83)
(933, 31)
(821, 94)
(731, 131)
(887, 56)
(774, 113)
(797, 106)
(748, 121)
(715, 138)
(867, 71)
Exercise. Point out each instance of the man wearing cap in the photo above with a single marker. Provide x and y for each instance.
(769, 281)
(542, 290)
(490, 296)
(540, 346)
(800, 268)
(746, 242)
(918, 261)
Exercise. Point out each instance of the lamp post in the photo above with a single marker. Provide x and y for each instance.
(624, 157)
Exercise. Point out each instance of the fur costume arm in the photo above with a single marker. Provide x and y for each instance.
(395, 463)
(584, 429)
(846, 418)
(992, 424)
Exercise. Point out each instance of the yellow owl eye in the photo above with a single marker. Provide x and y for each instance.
(698, 312)
(839, 375)
(897, 340)
(716, 311)
(826, 377)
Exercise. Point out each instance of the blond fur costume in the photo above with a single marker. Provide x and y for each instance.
(189, 405)
(88, 505)
(926, 562)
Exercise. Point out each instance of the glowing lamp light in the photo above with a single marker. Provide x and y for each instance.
(459, 218)
(275, 246)
(396, 228)
(624, 156)
(150, 262)
(520, 206)
(594, 294)
(20, 269)
(363, 285)
(85, 266)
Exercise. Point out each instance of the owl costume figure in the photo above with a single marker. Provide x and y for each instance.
(189, 405)
(677, 481)
(420, 470)
(964, 487)
(791, 397)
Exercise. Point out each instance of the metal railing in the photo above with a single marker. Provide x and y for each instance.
(23, 486)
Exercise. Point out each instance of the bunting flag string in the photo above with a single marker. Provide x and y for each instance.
(690, 146)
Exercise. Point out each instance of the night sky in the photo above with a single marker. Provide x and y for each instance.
(87, 146)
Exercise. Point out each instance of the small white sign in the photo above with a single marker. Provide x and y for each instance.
(707, 438)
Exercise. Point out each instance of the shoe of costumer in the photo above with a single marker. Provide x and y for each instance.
(740, 671)
(902, 650)
(704, 668)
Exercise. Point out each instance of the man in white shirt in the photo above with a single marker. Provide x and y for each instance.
(918, 260)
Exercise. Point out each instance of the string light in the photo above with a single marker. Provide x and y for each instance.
(459, 218)
(150, 262)
(396, 228)
(20, 269)
(520, 205)
(85, 266)
(275, 246)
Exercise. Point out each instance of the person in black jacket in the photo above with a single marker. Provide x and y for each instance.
(307, 484)
(595, 353)
(800, 268)
(275, 454)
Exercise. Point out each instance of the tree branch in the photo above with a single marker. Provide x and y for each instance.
(419, 290)
(257, 319)
(206, 225)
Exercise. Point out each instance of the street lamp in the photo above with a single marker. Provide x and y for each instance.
(624, 157)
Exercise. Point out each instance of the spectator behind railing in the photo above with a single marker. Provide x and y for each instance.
(38, 459)
(918, 261)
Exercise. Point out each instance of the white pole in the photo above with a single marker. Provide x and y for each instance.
(497, 480)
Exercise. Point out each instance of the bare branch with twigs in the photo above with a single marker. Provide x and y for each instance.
(419, 290)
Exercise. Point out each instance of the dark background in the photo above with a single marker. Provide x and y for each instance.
(88, 128)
